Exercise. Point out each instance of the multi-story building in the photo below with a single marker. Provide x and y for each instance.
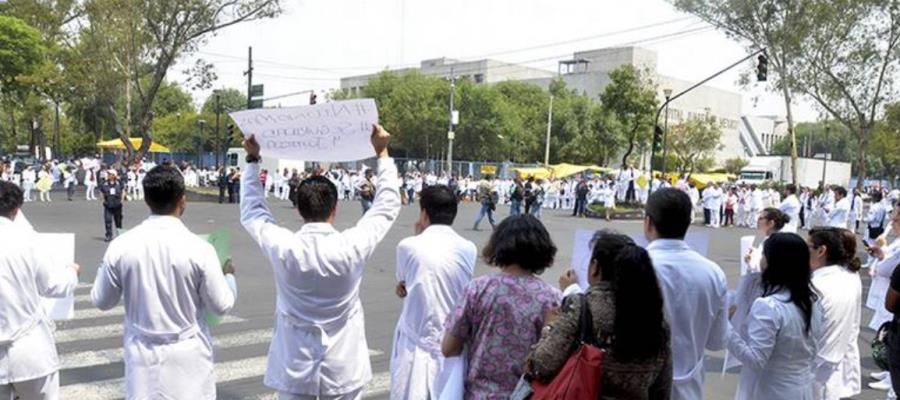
(588, 72)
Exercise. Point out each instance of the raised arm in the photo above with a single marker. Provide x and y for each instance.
(374, 225)
(255, 213)
(762, 329)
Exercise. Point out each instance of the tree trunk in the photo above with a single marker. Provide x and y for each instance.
(861, 156)
(790, 127)
(630, 147)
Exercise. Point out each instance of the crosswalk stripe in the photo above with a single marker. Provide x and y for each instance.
(225, 373)
(109, 330)
(221, 342)
(91, 313)
(83, 285)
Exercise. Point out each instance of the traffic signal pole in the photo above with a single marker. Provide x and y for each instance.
(249, 74)
(682, 93)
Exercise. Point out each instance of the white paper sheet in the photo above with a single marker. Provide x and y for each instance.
(581, 250)
(746, 245)
(335, 131)
(63, 255)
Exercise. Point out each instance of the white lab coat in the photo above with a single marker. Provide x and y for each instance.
(694, 289)
(791, 206)
(880, 284)
(436, 266)
(170, 278)
(837, 364)
(319, 347)
(27, 348)
(756, 201)
(777, 352)
(837, 216)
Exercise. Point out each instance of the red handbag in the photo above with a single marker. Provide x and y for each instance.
(580, 377)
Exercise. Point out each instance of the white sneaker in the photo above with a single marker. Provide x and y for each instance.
(883, 385)
(880, 376)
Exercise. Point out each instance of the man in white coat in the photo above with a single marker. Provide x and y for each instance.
(694, 289)
(319, 349)
(838, 215)
(171, 278)
(791, 206)
(29, 363)
(433, 269)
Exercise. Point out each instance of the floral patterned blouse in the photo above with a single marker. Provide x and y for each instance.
(500, 317)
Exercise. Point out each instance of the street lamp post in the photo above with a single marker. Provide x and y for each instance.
(454, 119)
(825, 155)
(219, 147)
(200, 123)
(668, 93)
(549, 125)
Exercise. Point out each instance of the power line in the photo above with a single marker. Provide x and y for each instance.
(519, 50)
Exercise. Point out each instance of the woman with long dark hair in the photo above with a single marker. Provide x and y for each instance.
(835, 274)
(778, 348)
(626, 307)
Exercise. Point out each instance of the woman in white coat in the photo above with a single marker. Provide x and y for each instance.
(835, 274)
(778, 349)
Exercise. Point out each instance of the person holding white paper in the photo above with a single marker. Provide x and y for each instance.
(433, 269)
(779, 345)
(838, 215)
(29, 363)
(319, 350)
(694, 289)
(171, 278)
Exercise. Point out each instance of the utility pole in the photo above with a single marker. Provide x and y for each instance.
(249, 74)
(825, 154)
(454, 119)
(549, 125)
(218, 139)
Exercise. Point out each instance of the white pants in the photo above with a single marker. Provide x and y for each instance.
(355, 395)
(89, 192)
(45, 388)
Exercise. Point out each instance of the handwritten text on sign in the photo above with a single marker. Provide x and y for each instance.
(336, 131)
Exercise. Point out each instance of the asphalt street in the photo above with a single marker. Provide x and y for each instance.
(90, 344)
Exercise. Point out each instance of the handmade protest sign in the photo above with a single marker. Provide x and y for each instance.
(581, 250)
(334, 132)
(62, 256)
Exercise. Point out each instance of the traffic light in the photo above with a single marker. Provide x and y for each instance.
(657, 139)
(312, 98)
(230, 129)
(762, 68)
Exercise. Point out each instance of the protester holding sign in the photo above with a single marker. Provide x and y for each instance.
(319, 349)
(694, 289)
(28, 359)
(170, 277)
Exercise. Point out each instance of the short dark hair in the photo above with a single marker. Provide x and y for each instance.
(669, 210)
(163, 188)
(521, 240)
(439, 203)
(840, 190)
(11, 199)
(876, 197)
(790, 188)
(316, 198)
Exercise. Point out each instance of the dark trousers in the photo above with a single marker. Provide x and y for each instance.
(70, 191)
(580, 206)
(629, 194)
(707, 216)
(111, 214)
(893, 349)
(802, 217)
(729, 216)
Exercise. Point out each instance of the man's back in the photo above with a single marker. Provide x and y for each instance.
(694, 290)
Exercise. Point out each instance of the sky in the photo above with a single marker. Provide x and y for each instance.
(316, 42)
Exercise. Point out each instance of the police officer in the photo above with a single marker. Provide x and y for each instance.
(112, 202)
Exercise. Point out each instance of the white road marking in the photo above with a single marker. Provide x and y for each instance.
(109, 331)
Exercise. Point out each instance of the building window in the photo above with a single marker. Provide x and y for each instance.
(479, 78)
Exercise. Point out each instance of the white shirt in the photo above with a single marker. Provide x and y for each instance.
(777, 352)
(837, 217)
(756, 200)
(170, 278)
(837, 364)
(881, 282)
(877, 216)
(436, 266)
(319, 347)
(27, 348)
(694, 289)
(791, 206)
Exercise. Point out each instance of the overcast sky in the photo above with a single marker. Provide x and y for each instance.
(315, 42)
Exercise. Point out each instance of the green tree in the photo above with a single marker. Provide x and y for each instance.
(735, 165)
(776, 25)
(22, 51)
(172, 99)
(230, 99)
(528, 106)
(694, 143)
(631, 100)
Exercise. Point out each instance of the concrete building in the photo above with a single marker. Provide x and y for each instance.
(588, 72)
